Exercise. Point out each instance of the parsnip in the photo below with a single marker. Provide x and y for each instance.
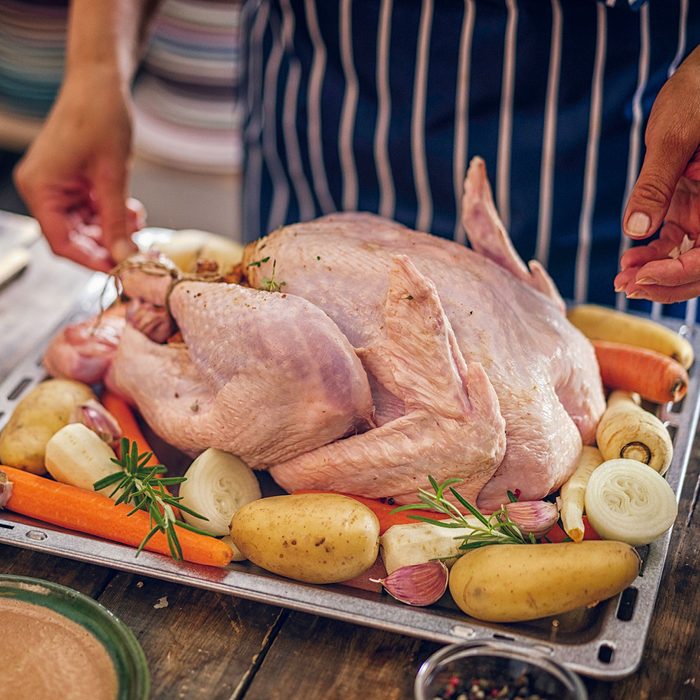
(600, 323)
(237, 554)
(574, 490)
(417, 543)
(627, 431)
(76, 455)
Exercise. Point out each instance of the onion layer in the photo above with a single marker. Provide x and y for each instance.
(217, 485)
(630, 502)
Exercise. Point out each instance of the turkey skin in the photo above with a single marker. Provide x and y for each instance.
(364, 356)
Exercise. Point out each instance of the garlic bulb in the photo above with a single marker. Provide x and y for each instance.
(630, 502)
(418, 584)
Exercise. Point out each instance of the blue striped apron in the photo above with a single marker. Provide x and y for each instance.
(379, 106)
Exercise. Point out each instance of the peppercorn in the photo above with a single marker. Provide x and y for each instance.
(483, 689)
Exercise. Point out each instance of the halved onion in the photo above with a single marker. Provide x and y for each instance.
(630, 502)
(217, 485)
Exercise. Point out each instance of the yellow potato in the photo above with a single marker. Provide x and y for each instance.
(38, 416)
(317, 538)
(511, 583)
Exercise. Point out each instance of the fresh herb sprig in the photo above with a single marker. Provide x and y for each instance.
(270, 284)
(497, 528)
(141, 486)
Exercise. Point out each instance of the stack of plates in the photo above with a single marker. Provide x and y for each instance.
(32, 49)
(186, 95)
(186, 112)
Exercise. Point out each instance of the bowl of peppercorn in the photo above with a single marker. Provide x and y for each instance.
(489, 668)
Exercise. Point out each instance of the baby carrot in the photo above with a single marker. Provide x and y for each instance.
(121, 410)
(650, 374)
(94, 514)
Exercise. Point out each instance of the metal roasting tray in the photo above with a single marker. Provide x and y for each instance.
(604, 642)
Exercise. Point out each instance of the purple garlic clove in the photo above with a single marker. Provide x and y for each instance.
(536, 517)
(95, 416)
(417, 584)
(5, 489)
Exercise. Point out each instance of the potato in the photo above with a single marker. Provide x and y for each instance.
(317, 538)
(38, 416)
(511, 583)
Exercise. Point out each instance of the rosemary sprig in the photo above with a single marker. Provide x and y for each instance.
(140, 485)
(497, 528)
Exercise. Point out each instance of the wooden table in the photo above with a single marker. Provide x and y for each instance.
(210, 646)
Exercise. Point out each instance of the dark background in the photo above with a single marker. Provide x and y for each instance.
(9, 199)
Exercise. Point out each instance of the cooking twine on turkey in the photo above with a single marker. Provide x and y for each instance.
(389, 354)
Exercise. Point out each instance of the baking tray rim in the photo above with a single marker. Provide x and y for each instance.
(626, 639)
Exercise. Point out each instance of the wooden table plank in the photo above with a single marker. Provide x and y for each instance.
(205, 645)
(314, 657)
(199, 645)
(86, 578)
(670, 666)
(202, 645)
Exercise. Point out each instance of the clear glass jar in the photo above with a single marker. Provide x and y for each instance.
(500, 661)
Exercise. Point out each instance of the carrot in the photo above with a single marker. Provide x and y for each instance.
(650, 374)
(382, 510)
(94, 514)
(601, 323)
(127, 422)
(121, 410)
(557, 533)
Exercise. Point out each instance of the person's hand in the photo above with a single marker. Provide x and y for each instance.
(74, 177)
(666, 197)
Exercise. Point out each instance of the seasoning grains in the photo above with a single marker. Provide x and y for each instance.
(47, 656)
(484, 689)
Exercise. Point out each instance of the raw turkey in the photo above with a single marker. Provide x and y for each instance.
(366, 356)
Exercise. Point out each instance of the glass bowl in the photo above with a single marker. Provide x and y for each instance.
(500, 662)
(133, 678)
